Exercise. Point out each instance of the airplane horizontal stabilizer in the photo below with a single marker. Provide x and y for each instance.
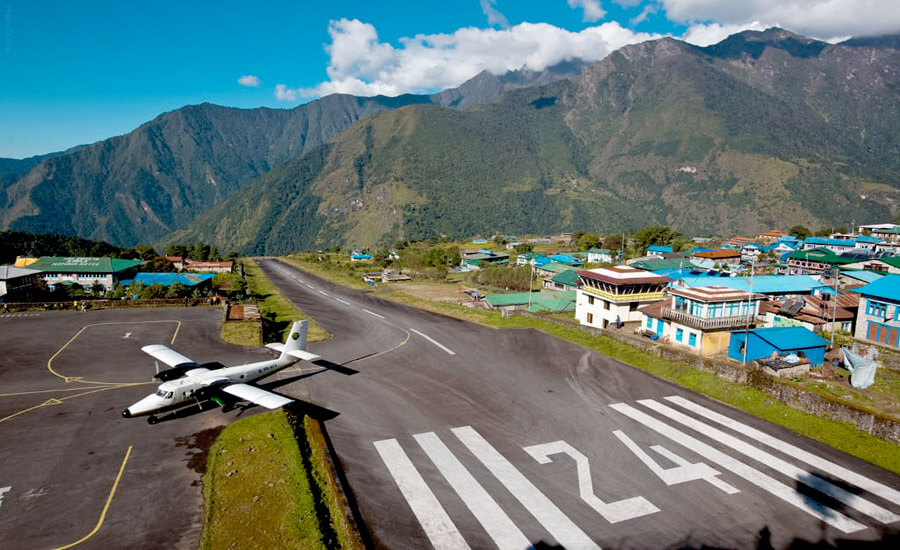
(256, 395)
(277, 346)
(304, 355)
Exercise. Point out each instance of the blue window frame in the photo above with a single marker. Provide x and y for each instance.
(649, 322)
(876, 309)
(692, 339)
(679, 335)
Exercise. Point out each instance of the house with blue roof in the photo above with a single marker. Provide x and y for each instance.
(780, 341)
(774, 286)
(835, 245)
(193, 280)
(659, 250)
(750, 252)
(878, 317)
(567, 259)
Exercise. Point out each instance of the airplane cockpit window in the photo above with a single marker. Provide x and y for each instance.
(160, 393)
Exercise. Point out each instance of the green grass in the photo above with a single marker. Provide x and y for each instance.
(267, 501)
(243, 333)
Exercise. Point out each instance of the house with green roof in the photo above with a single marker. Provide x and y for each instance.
(84, 272)
(888, 264)
(599, 256)
(565, 280)
(813, 261)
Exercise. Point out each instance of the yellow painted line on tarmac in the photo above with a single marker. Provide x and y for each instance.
(69, 379)
(14, 394)
(112, 493)
(23, 411)
(55, 401)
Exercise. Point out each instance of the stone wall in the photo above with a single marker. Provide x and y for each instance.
(754, 376)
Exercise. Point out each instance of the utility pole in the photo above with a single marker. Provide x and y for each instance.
(834, 273)
(747, 327)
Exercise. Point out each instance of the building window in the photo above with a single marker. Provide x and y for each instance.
(632, 306)
(591, 300)
(876, 309)
(679, 335)
(590, 318)
(605, 304)
(649, 322)
(692, 339)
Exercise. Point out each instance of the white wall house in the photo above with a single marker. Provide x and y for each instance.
(608, 296)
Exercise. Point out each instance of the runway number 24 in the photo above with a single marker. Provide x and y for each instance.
(633, 507)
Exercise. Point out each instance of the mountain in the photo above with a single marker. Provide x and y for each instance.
(763, 129)
(143, 185)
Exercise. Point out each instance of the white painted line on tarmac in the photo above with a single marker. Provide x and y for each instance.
(498, 525)
(794, 472)
(373, 313)
(323, 293)
(3, 491)
(438, 526)
(761, 480)
(836, 470)
(433, 341)
(310, 286)
(343, 301)
(538, 505)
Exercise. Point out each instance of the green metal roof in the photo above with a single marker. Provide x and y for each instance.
(821, 255)
(598, 251)
(545, 299)
(568, 277)
(556, 267)
(659, 265)
(83, 265)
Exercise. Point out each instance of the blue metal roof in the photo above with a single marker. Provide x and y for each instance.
(863, 275)
(764, 284)
(659, 248)
(787, 338)
(887, 287)
(867, 239)
(819, 241)
(169, 279)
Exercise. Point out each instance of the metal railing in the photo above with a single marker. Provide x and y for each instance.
(708, 323)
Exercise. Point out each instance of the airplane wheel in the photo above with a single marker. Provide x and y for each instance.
(152, 419)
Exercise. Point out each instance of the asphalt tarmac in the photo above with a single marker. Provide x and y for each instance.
(71, 467)
(455, 435)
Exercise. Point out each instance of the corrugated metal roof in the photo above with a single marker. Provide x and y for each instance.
(568, 277)
(787, 338)
(623, 275)
(8, 272)
(764, 284)
(169, 279)
(83, 265)
(863, 275)
(887, 287)
(522, 298)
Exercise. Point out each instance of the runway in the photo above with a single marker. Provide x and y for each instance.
(455, 435)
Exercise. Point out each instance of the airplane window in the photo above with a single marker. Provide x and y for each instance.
(169, 395)
(160, 393)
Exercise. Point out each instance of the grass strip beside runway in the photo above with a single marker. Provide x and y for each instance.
(267, 486)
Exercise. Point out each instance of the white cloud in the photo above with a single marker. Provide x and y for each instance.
(361, 65)
(649, 9)
(705, 34)
(493, 15)
(249, 80)
(823, 19)
(593, 11)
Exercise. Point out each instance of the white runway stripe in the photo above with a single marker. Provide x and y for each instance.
(374, 314)
(836, 470)
(797, 474)
(538, 505)
(343, 302)
(761, 480)
(433, 341)
(498, 525)
(438, 526)
(323, 293)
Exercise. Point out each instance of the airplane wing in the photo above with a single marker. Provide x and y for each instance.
(256, 395)
(166, 355)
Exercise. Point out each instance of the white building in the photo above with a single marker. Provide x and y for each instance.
(611, 296)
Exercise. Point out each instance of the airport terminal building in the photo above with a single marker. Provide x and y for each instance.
(85, 272)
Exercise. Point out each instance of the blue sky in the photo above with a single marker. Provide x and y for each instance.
(74, 72)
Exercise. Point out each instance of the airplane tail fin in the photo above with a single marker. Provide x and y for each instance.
(296, 340)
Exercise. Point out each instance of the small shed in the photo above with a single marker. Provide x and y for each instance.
(762, 342)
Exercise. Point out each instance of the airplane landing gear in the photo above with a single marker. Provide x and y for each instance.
(152, 419)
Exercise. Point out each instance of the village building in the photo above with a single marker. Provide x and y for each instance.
(17, 284)
(566, 280)
(770, 237)
(725, 256)
(814, 261)
(599, 256)
(878, 317)
(701, 318)
(659, 250)
(777, 342)
(816, 313)
(85, 272)
(610, 296)
(885, 264)
(208, 267)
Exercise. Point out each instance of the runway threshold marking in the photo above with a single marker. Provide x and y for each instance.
(498, 525)
(754, 476)
(797, 474)
(438, 526)
(112, 493)
(874, 487)
(69, 379)
(435, 342)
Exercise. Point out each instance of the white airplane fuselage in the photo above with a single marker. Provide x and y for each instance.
(175, 393)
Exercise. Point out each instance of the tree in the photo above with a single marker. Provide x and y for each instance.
(524, 248)
(659, 235)
(800, 231)
(613, 242)
(588, 241)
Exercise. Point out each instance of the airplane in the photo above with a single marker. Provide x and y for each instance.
(187, 381)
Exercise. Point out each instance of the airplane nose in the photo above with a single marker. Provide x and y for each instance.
(126, 413)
